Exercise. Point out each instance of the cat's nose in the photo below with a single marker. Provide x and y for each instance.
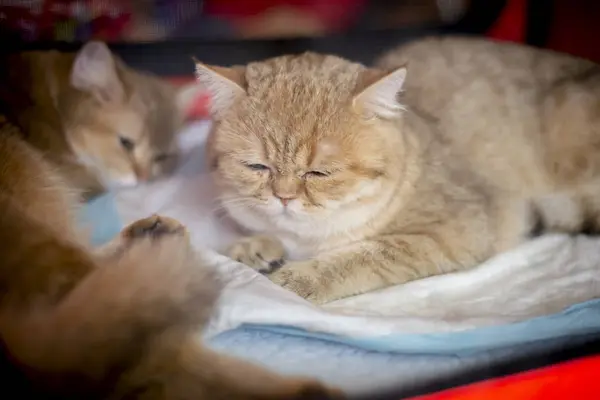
(143, 174)
(284, 199)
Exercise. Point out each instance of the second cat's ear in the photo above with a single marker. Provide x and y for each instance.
(94, 71)
(377, 93)
(224, 85)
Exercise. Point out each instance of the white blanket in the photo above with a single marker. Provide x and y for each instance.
(539, 278)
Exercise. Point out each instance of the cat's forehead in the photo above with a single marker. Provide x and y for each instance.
(308, 63)
(300, 77)
(295, 101)
(127, 118)
(154, 126)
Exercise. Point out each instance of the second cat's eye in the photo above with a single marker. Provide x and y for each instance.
(258, 167)
(161, 158)
(126, 143)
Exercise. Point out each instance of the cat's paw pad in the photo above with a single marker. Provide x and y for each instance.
(262, 253)
(153, 227)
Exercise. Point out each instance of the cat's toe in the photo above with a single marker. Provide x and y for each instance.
(262, 253)
(305, 285)
(154, 227)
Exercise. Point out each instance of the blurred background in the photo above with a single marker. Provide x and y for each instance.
(161, 35)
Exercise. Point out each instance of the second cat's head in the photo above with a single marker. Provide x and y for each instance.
(120, 123)
(303, 141)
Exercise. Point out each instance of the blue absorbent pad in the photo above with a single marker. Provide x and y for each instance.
(580, 319)
(100, 215)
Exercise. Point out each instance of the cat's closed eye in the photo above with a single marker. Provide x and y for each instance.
(126, 143)
(258, 167)
(316, 174)
(161, 157)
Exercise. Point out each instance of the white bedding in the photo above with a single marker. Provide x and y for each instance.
(542, 277)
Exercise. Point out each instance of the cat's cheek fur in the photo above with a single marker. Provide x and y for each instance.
(235, 180)
(361, 191)
(248, 218)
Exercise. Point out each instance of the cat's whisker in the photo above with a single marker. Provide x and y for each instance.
(222, 208)
(237, 200)
(232, 203)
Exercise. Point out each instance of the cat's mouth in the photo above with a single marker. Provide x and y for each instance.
(291, 210)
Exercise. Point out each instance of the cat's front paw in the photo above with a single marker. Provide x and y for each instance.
(262, 253)
(153, 227)
(303, 278)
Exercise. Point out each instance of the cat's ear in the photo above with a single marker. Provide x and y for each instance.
(377, 93)
(95, 71)
(224, 85)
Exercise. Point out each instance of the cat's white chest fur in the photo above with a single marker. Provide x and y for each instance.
(303, 235)
(297, 244)
(304, 238)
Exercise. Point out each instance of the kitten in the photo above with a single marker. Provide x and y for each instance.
(329, 164)
(104, 125)
(121, 322)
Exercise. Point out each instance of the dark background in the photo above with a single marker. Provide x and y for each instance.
(373, 26)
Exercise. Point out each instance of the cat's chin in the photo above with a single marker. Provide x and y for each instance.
(285, 216)
(262, 218)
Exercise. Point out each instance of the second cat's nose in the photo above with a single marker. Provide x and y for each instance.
(143, 174)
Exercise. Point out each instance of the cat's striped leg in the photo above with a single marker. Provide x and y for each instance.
(376, 264)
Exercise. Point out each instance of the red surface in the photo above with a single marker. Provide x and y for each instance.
(336, 14)
(576, 28)
(510, 25)
(199, 108)
(577, 380)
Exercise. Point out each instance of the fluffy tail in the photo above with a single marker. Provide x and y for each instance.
(112, 318)
(130, 330)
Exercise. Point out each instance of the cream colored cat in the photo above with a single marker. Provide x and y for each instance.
(101, 123)
(360, 186)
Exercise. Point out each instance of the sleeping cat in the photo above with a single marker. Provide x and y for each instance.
(102, 124)
(120, 322)
(360, 182)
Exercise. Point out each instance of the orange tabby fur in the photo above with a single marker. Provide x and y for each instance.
(79, 108)
(121, 322)
(362, 186)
